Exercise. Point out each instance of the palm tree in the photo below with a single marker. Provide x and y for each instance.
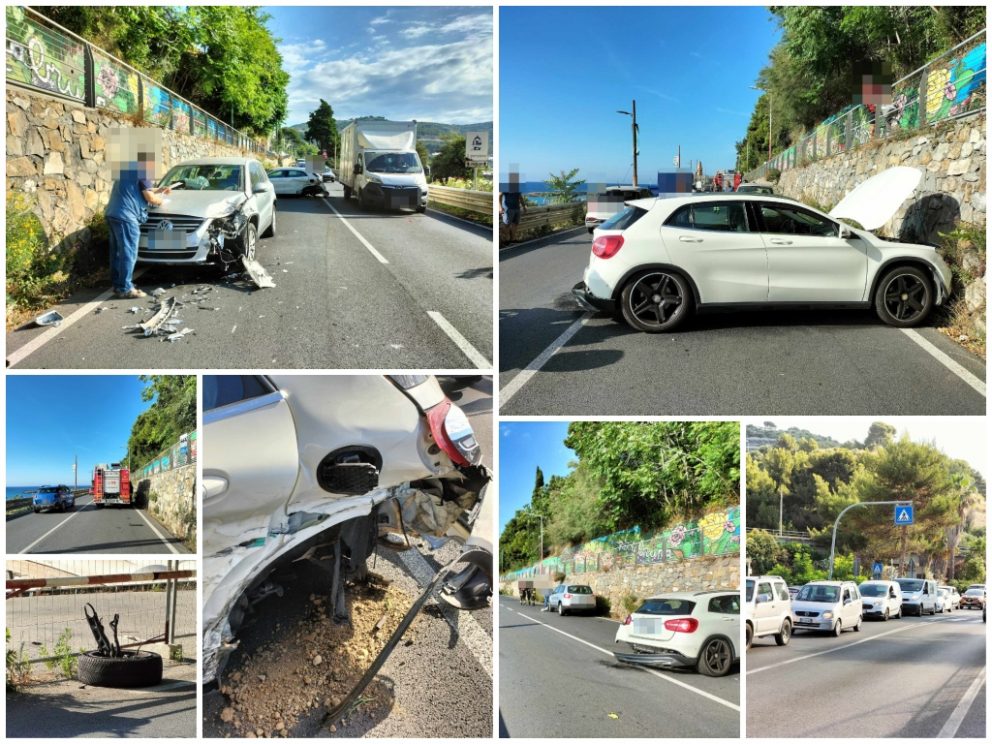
(563, 189)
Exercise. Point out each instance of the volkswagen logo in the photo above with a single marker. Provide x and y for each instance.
(165, 226)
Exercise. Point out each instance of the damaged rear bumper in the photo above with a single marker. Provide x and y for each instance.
(656, 660)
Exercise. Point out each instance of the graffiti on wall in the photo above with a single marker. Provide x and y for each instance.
(44, 60)
(116, 86)
(717, 533)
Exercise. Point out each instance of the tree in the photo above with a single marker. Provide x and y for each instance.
(322, 130)
(172, 413)
(450, 161)
(763, 552)
(563, 187)
(423, 154)
(879, 435)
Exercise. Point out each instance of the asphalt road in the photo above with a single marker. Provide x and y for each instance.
(909, 678)
(354, 290)
(743, 363)
(557, 685)
(86, 529)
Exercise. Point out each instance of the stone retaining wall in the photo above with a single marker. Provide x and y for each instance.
(639, 582)
(171, 498)
(56, 153)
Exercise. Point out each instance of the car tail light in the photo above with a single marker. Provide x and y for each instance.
(453, 433)
(629, 620)
(568, 596)
(682, 625)
(607, 246)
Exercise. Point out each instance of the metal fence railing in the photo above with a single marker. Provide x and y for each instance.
(43, 55)
(179, 454)
(718, 533)
(949, 87)
(46, 600)
(480, 202)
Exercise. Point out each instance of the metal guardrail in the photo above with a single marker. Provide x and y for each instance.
(44, 56)
(951, 86)
(536, 219)
(480, 202)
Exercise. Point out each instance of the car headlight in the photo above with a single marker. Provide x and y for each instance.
(827, 615)
(373, 178)
(231, 224)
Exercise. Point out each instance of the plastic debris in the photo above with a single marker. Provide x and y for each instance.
(155, 324)
(173, 337)
(51, 318)
(259, 276)
(158, 292)
(134, 310)
(99, 310)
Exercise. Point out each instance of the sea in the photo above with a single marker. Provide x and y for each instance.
(17, 492)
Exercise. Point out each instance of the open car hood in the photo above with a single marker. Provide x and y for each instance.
(873, 202)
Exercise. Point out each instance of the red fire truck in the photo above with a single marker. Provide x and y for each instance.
(111, 484)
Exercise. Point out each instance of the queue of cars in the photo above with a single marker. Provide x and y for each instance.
(836, 606)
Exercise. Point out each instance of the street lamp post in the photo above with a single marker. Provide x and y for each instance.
(633, 128)
(833, 540)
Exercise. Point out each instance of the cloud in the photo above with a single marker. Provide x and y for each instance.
(658, 93)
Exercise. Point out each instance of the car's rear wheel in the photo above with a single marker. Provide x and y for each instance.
(783, 636)
(656, 301)
(748, 635)
(561, 610)
(904, 297)
(857, 626)
(715, 658)
(347, 191)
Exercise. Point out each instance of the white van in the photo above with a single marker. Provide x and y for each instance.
(918, 595)
(881, 599)
(833, 606)
(767, 609)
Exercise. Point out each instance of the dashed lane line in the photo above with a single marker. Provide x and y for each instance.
(474, 355)
(361, 239)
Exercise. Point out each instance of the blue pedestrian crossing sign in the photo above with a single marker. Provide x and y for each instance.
(904, 514)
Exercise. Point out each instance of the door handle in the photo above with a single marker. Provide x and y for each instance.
(687, 239)
(780, 241)
(214, 485)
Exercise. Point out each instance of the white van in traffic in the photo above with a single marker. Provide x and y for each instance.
(881, 599)
(918, 595)
(834, 606)
(767, 609)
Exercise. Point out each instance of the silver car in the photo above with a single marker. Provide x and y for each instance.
(217, 210)
(566, 598)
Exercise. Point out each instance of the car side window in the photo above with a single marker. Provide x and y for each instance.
(681, 218)
(783, 592)
(725, 605)
(222, 390)
(765, 589)
(258, 174)
(719, 216)
(782, 219)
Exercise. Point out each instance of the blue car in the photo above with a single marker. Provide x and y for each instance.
(58, 498)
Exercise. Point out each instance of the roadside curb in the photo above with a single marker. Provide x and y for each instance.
(511, 246)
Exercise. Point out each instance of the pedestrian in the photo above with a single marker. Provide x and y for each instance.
(132, 192)
(511, 203)
(547, 601)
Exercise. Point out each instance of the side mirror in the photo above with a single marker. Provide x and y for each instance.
(260, 188)
(357, 169)
(845, 232)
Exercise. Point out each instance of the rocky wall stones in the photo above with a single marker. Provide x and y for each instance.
(171, 499)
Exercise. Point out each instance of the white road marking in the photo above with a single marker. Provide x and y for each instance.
(468, 350)
(846, 645)
(75, 512)
(16, 357)
(523, 377)
(362, 240)
(967, 377)
(680, 683)
(154, 529)
(950, 728)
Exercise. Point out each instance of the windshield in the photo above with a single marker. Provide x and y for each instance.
(48, 490)
(206, 177)
(873, 590)
(910, 585)
(579, 589)
(750, 590)
(392, 162)
(666, 607)
(975, 592)
(819, 593)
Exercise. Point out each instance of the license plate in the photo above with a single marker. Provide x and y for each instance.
(807, 621)
(647, 626)
(164, 240)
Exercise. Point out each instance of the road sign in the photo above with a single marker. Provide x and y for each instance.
(477, 146)
(876, 570)
(904, 514)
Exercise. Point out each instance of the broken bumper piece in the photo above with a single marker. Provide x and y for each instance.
(659, 660)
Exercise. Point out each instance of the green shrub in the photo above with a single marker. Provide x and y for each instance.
(631, 603)
(31, 267)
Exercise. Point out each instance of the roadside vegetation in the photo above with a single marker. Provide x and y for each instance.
(172, 414)
(626, 474)
(813, 483)
(964, 251)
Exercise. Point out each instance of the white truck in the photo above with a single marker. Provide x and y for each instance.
(379, 164)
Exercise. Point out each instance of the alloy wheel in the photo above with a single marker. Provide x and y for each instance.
(655, 298)
(905, 297)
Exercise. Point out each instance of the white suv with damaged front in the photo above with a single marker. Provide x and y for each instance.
(660, 260)
(215, 214)
(324, 468)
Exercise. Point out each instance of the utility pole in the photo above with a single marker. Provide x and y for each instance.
(633, 129)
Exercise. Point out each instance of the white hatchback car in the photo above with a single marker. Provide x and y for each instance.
(880, 598)
(684, 629)
(293, 462)
(833, 606)
(658, 260)
(295, 181)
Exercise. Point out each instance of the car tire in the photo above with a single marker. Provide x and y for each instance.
(421, 210)
(133, 669)
(904, 297)
(249, 241)
(36, 509)
(662, 295)
(748, 636)
(561, 610)
(715, 658)
(347, 191)
(885, 615)
(857, 626)
(363, 202)
(838, 629)
(99, 506)
(785, 633)
(271, 231)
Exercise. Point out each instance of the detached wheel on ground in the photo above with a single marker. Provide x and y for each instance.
(656, 301)
(715, 658)
(904, 297)
(133, 669)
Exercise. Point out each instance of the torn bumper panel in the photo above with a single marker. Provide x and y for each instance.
(656, 660)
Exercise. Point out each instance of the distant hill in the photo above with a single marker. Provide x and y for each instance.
(431, 133)
(768, 434)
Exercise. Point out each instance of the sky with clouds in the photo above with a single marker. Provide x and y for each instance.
(424, 63)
